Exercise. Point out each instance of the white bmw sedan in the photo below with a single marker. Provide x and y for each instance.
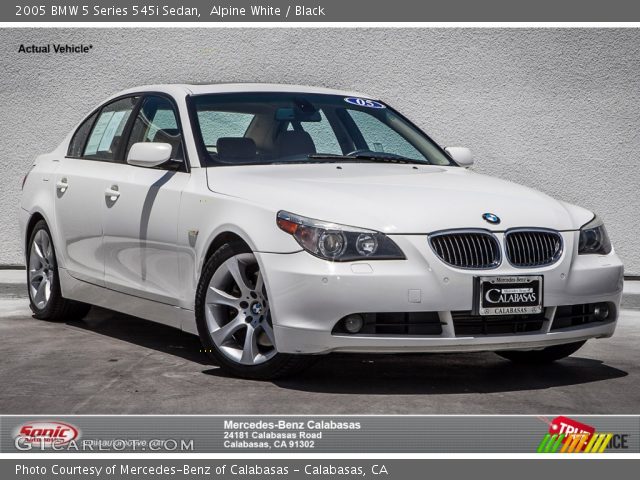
(280, 222)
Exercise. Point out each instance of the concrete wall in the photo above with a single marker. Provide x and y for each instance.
(557, 110)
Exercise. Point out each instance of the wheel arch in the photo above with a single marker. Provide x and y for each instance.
(218, 241)
(35, 218)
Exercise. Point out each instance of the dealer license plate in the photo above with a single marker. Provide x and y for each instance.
(510, 295)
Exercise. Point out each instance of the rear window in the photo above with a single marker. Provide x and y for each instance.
(106, 135)
(80, 137)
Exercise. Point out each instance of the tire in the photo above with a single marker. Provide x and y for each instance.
(43, 280)
(546, 355)
(233, 317)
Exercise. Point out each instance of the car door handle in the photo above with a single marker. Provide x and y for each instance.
(62, 185)
(112, 193)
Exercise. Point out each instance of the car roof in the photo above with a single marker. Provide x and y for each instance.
(193, 89)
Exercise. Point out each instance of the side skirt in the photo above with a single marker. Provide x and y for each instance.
(170, 315)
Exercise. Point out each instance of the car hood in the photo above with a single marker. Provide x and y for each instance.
(395, 198)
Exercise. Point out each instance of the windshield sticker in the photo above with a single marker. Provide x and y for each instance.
(363, 102)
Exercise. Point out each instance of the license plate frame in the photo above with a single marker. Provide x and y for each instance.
(509, 295)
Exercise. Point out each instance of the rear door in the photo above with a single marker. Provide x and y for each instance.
(81, 180)
(141, 220)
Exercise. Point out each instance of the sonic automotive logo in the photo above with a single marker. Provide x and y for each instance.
(570, 436)
(45, 434)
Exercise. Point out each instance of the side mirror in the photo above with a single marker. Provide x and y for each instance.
(149, 154)
(461, 155)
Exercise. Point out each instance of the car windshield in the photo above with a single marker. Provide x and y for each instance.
(268, 128)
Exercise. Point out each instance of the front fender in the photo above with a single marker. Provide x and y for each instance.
(203, 217)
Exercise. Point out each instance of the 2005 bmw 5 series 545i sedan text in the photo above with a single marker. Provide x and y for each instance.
(280, 222)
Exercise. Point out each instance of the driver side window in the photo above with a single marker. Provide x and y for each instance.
(157, 121)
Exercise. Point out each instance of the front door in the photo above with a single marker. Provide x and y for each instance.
(141, 207)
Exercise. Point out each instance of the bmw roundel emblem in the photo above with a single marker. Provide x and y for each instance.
(491, 218)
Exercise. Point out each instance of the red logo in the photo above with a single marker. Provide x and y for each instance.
(569, 427)
(46, 433)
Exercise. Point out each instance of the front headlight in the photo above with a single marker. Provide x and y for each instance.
(338, 243)
(594, 238)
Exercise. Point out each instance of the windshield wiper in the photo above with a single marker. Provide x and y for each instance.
(330, 157)
(367, 157)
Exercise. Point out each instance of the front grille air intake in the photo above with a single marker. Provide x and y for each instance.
(395, 323)
(467, 324)
(533, 248)
(467, 249)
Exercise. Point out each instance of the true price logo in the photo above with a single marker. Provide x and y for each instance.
(569, 436)
(570, 427)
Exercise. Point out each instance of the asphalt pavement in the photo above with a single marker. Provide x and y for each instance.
(111, 363)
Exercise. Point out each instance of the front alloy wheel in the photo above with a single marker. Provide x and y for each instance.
(234, 319)
(237, 311)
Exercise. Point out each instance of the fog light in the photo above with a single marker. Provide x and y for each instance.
(601, 311)
(353, 323)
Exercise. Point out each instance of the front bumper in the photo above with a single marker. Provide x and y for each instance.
(308, 296)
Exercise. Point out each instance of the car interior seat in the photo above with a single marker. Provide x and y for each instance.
(295, 142)
(236, 149)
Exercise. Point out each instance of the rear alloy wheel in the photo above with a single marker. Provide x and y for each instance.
(41, 268)
(43, 283)
(546, 355)
(234, 317)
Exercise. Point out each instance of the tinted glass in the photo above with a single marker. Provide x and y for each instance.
(323, 135)
(80, 137)
(157, 122)
(106, 135)
(380, 137)
(218, 124)
(267, 127)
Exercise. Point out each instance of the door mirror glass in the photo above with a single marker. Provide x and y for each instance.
(461, 155)
(149, 154)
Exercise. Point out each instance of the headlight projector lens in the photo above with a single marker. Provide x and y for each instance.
(366, 244)
(332, 244)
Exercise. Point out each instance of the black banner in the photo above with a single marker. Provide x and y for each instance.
(320, 11)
